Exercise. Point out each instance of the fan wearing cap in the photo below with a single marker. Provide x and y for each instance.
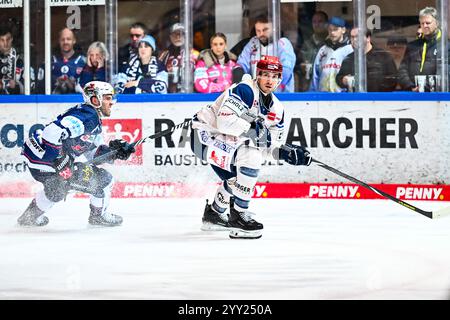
(145, 73)
(173, 58)
(330, 56)
(50, 154)
(243, 127)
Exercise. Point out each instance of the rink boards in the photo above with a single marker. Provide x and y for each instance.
(399, 145)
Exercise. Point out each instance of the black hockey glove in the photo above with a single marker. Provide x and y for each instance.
(124, 149)
(295, 155)
(259, 134)
(63, 165)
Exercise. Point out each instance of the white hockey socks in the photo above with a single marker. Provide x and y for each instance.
(42, 202)
(243, 187)
(102, 202)
(222, 198)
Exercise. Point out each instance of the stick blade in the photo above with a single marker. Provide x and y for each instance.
(441, 213)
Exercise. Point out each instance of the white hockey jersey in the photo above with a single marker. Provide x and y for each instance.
(229, 116)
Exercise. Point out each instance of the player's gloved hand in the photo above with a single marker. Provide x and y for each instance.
(64, 166)
(259, 134)
(124, 149)
(295, 155)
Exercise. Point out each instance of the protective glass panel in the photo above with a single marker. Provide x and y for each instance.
(144, 35)
(411, 34)
(305, 25)
(11, 50)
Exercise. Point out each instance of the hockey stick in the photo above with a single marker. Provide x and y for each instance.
(430, 214)
(110, 155)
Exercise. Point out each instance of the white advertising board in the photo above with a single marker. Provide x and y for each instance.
(379, 142)
(11, 3)
(61, 3)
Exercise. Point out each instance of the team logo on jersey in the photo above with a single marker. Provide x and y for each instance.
(220, 161)
(223, 146)
(87, 138)
(129, 130)
(214, 73)
(204, 136)
(64, 69)
(158, 87)
(77, 147)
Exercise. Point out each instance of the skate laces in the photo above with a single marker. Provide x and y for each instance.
(110, 217)
(223, 216)
(40, 219)
(247, 215)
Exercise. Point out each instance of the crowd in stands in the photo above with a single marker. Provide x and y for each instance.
(324, 61)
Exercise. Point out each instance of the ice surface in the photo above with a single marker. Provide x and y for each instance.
(310, 249)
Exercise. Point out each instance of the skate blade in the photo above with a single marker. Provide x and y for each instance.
(93, 226)
(207, 226)
(242, 234)
(30, 225)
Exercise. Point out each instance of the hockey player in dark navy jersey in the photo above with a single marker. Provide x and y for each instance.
(235, 134)
(51, 155)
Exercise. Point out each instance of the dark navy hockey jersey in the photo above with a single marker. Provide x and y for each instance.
(75, 132)
(63, 69)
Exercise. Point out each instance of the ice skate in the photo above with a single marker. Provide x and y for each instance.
(214, 221)
(242, 225)
(99, 218)
(32, 217)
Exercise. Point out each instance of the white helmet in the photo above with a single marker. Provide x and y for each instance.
(97, 89)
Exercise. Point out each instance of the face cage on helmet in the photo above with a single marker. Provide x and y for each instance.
(258, 71)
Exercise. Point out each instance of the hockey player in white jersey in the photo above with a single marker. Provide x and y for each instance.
(235, 134)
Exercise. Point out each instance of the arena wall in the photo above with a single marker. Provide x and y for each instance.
(400, 143)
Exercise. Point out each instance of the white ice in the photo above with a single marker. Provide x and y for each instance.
(310, 249)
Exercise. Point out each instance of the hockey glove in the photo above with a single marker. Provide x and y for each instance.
(295, 155)
(259, 134)
(124, 149)
(64, 166)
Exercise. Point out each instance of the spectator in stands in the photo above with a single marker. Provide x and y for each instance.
(419, 32)
(11, 64)
(173, 58)
(396, 46)
(214, 68)
(238, 47)
(260, 45)
(94, 70)
(145, 73)
(199, 41)
(309, 49)
(137, 31)
(330, 56)
(381, 69)
(67, 64)
(419, 65)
